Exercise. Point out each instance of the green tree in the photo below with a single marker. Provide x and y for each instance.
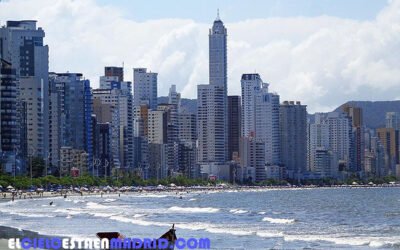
(38, 166)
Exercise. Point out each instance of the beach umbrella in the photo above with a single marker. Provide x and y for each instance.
(10, 187)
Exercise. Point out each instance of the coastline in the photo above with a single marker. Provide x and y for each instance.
(183, 190)
(11, 232)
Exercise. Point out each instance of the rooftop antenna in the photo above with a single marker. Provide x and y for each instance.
(218, 14)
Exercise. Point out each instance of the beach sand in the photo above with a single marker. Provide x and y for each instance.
(9, 232)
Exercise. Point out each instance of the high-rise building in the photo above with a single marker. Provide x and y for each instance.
(293, 124)
(120, 100)
(9, 130)
(187, 128)
(389, 137)
(115, 71)
(211, 126)
(317, 139)
(70, 123)
(393, 120)
(234, 123)
(260, 115)
(157, 127)
(21, 44)
(251, 86)
(252, 156)
(144, 88)
(267, 124)
(212, 101)
(174, 98)
(356, 115)
(329, 136)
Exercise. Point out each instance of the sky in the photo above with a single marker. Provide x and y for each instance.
(322, 53)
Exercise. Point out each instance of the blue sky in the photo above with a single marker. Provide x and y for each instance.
(236, 10)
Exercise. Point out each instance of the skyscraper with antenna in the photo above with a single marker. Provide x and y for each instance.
(212, 100)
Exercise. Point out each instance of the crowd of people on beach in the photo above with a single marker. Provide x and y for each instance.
(13, 194)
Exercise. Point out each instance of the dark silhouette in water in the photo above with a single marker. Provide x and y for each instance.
(169, 235)
(51, 203)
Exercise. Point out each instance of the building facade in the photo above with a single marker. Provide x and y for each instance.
(293, 131)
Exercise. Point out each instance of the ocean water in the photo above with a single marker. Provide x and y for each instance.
(324, 218)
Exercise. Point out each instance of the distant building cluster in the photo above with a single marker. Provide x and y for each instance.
(121, 128)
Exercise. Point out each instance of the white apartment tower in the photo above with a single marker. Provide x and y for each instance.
(144, 88)
(212, 101)
(260, 115)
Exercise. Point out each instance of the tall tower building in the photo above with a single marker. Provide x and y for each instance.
(144, 88)
(293, 123)
(174, 98)
(356, 115)
(393, 120)
(70, 122)
(389, 137)
(251, 86)
(21, 44)
(234, 123)
(212, 100)
(260, 116)
(267, 124)
(9, 130)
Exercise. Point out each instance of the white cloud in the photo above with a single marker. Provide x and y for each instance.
(322, 61)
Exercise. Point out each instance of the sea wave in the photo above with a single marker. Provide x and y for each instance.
(268, 234)
(32, 215)
(194, 209)
(278, 220)
(139, 215)
(94, 205)
(232, 231)
(215, 229)
(238, 211)
(377, 242)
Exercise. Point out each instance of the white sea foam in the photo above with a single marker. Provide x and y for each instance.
(212, 228)
(262, 212)
(139, 215)
(194, 209)
(353, 241)
(238, 211)
(32, 215)
(109, 200)
(155, 195)
(232, 231)
(78, 201)
(278, 220)
(193, 199)
(138, 222)
(94, 205)
(268, 234)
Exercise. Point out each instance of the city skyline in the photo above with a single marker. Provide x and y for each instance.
(311, 59)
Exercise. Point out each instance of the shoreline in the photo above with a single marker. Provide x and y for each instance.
(177, 190)
(7, 233)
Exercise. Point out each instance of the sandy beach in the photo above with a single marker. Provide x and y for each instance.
(9, 232)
